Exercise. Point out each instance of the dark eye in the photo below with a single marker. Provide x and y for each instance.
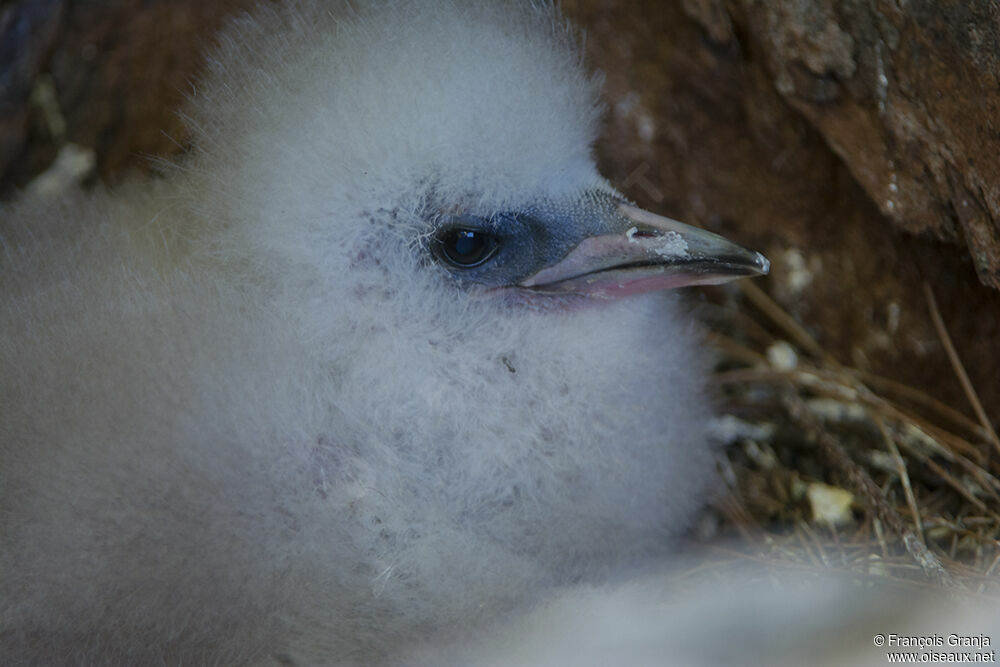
(466, 248)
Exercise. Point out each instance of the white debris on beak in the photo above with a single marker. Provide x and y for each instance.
(668, 244)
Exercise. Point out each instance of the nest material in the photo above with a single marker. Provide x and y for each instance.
(830, 466)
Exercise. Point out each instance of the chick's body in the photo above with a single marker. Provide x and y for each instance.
(246, 415)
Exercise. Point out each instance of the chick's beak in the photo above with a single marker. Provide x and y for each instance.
(635, 251)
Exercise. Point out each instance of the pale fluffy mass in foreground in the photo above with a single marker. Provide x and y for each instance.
(382, 363)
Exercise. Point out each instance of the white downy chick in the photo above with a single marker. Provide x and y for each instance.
(356, 373)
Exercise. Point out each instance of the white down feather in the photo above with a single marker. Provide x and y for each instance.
(245, 420)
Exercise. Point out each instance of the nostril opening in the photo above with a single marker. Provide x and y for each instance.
(641, 233)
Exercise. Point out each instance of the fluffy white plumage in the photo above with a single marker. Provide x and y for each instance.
(247, 417)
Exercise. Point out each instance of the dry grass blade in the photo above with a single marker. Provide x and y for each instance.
(862, 481)
(904, 479)
(777, 314)
(956, 363)
(922, 399)
(918, 464)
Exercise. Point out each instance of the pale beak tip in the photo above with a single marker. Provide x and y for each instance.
(763, 265)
